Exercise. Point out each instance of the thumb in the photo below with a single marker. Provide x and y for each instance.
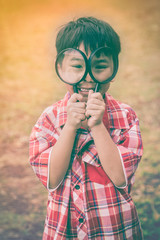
(90, 93)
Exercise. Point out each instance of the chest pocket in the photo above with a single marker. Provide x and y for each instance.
(97, 174)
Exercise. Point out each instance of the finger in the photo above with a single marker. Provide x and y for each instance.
(96, 95)
(81, 117)
(76, 115)
(77, 105)
(76, 97)
(90, 93)
(95, 107)
(77, 110)
(95, 113)
(95, 101)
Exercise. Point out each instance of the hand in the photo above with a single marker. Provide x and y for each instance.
(95, 109)
(75, 111)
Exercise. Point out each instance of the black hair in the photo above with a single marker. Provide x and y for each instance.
(94, 33)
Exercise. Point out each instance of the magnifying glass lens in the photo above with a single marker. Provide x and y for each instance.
(102, 66)
(71, 66)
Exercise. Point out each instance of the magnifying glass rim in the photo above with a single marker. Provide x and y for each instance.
(86, 65)
(115, 65)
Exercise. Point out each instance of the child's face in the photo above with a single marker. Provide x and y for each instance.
(87, 84)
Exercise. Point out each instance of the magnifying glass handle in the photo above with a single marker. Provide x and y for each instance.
(96, 88)
(75, 88)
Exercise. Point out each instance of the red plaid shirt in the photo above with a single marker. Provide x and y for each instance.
(86, 204)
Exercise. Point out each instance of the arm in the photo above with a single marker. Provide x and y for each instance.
(61, 152)
(60, 156)
(106, 148)
(50, 151)
(108, 155)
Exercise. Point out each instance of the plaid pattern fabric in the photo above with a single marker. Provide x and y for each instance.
(86, 204)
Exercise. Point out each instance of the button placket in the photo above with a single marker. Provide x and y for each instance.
(78, 198)
(77, 191)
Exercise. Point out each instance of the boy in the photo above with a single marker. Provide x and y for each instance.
(86, 148)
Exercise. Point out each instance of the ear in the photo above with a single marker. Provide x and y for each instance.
(113, 80)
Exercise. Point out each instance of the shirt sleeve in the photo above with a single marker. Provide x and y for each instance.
(42, 139)
(130, 147)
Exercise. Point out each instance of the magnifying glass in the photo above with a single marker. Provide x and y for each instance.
(72, 66)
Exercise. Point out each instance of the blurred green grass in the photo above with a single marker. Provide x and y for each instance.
(28, 84)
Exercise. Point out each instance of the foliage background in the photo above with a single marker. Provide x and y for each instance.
(28, 84)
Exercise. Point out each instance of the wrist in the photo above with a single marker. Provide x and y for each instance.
(70, 127)
(98, 128)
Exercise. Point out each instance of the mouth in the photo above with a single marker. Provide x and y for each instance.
(85, 91)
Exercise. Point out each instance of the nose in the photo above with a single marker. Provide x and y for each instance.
(88, 78)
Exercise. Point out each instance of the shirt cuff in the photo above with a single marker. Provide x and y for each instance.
(51, 189)
(124, 171)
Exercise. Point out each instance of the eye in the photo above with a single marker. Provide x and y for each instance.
(101, 67)
(77, 66)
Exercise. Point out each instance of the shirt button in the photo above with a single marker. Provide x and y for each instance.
(80, 220)
(77, 187)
